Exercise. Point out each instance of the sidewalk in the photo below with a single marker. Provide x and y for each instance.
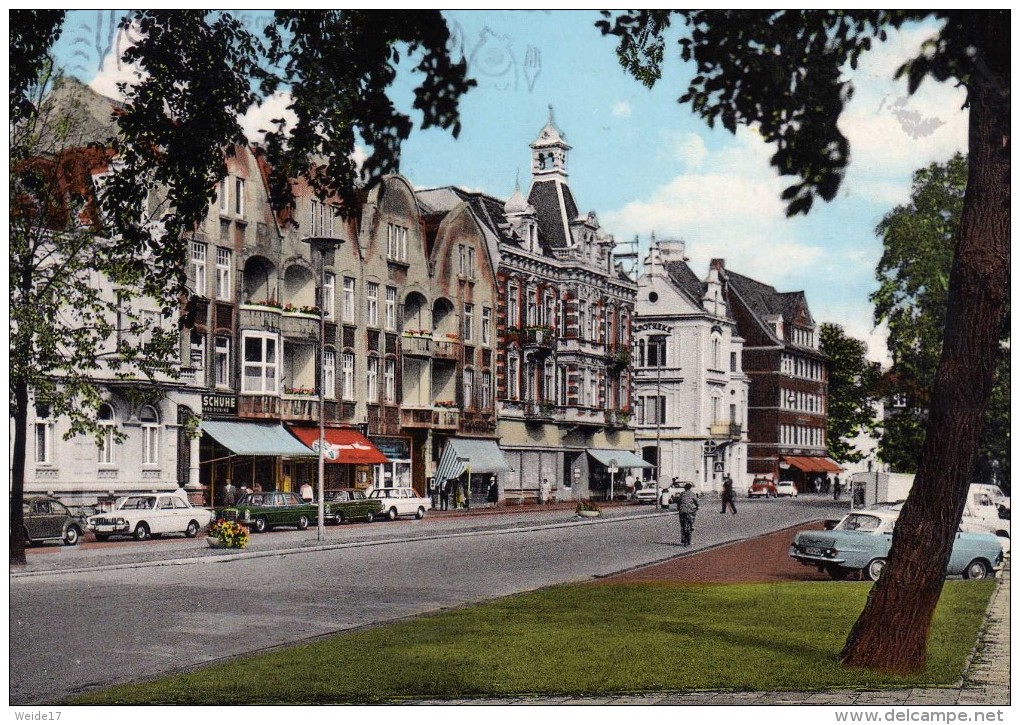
(985, 681)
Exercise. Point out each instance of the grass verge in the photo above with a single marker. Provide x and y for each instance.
(584, 640)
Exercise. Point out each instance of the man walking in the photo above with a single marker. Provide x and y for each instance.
(687, 506)
(728, 496)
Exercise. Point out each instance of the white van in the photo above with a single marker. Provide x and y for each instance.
(987, 510)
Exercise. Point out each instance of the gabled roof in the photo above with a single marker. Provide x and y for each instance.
(686, 281)
(764, 301)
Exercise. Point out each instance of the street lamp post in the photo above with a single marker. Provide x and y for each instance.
(322, 245)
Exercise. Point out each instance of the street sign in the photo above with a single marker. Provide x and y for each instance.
(612, 466)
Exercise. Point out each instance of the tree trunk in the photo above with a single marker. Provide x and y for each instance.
(892, 631)
(17, 532)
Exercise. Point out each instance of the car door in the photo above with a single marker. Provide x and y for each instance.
(49, 523)
(163, 520)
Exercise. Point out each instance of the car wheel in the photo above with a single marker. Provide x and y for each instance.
(261, 525)
(977, 569)
(142, 531)
(340, 518)
(369, 517)
(72, 536)
(302, 523)
(874, 569)
(102, 537)
(392, 514)
(28, 539)
(192, 531)
(420, 513)
(837, 573)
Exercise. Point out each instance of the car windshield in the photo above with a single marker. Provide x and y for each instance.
(860, 522)
(139, 502)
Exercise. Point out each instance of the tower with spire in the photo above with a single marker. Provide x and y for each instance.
(549, 153)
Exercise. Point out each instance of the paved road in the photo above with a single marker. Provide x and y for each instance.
(84, 619)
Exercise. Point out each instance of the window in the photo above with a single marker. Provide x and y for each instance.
(716, 350)
(486, 325)
(469, 321)
(372, 304)
(239, 196)
(329, 295)
(198, 267)
(532, 309)
(43, 436)
(471, 261)
(347, 375)
(656, 355)
(733, 362)
(512, 307)
(549, 311)
(487, 390)
(318, 223)
(461, 260)
(261, 363)
(511, 377)
(469, 388)
(390, 380)
(150, 436)
(593, 329)
(221, 353)
(549, 386)
(348, 299)
(329, 373)
(223, 259)
(593, 389)
(396, 242)
(582, 317)
(106, 423)
(372, 380)
(197, 350)
(391, 308)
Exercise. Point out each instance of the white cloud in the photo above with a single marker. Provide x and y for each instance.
(621, 109)
(113, 70)
(687, 147)
(259, 118)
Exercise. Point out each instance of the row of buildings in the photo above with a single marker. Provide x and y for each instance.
(453, 335)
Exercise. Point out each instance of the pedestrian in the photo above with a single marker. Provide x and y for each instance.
(493, 495)
(836, 489)
(229, 494)
(687, 507)
(728, 496)
(444, 495)
(546, 491)
(629, 483)
(307, 494)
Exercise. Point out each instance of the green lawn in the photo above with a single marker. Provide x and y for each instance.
(584, 640)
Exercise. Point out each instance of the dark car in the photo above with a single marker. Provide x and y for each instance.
(264, 511)
(762, 488)
(350, 504)
(47, 519)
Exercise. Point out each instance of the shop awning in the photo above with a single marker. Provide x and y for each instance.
(484, 456)
(255, 439)
(346, 445)
(624, 459)
(812, 464)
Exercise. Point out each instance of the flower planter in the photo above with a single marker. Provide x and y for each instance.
(215, 543)
(589, 514)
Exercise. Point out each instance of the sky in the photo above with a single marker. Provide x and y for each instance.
(644, 163)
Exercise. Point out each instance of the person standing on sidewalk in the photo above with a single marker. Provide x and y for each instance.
(687, 507)
(728, 496)
(444, 495)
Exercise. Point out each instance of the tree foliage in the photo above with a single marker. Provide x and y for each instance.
(912, 298)
(782, 72)
(850, 400)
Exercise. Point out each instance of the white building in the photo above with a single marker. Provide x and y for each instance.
(689, 387)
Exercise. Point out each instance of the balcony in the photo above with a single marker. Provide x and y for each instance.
(416, 346)
(299, 407)
(582, 416)
(539, 410)
(259, 317)
(258, 406)
(416, 417)
(300, 325)
(539, 337)
(618, 359)
(478, 423)
(446, 349)
(618, 418)
(726, 430)
(446, 419)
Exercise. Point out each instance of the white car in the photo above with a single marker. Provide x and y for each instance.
(786, 488)
(400, 501)
(148, 515)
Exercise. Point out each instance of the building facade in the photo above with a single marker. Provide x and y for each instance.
(690, 390)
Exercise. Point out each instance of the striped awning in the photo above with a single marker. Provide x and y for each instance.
(482, 456)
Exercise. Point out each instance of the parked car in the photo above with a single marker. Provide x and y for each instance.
(860, 543)
(786, 488)
(350, 504)
(645, 494)
(762, 488)
(47, 519)
(148, 515)
(670, 494)
(400, 501)
(264, 511)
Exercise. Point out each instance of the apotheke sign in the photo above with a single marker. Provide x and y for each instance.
(219, 405)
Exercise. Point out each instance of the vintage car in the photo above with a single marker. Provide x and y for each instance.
(350, 504)
(860, 542)
(762, 488)
(786, 488)
(645, 494)
(152, 514)
(400, 501)
(264, 511)
(47, 519)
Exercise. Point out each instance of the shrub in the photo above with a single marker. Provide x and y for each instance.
(230, 533)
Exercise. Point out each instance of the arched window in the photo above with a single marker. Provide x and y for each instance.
(150, 435)
(107, 421)
(372, 380)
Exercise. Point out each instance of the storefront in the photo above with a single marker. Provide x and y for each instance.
(351, 459)
(396, 471)
(472, 462)
(803, 470)
(612, 466)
